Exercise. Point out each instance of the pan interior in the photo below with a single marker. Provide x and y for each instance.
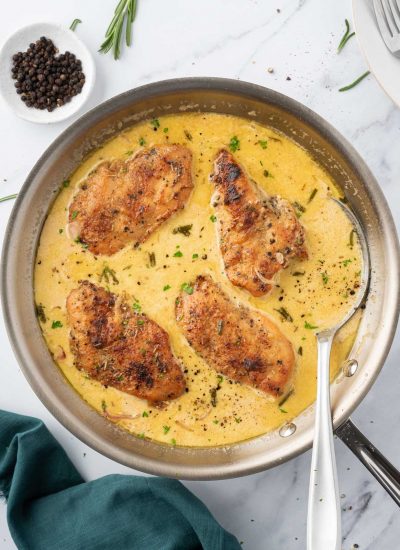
(91, 132)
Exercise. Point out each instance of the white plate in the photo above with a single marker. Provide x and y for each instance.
(383, 65)
(64, 40)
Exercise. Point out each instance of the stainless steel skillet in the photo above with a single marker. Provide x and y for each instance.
(374, 337)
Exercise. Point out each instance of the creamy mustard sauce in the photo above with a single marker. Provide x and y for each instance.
(312, 293)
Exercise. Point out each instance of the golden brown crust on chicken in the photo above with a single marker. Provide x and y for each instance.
(123, 202)
(240, 343)
(121, 348)
(258, 234)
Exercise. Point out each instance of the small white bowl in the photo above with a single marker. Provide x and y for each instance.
(64, 40)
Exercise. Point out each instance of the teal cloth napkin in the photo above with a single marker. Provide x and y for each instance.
(51, 507)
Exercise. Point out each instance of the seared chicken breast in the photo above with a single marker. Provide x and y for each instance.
(124, 201)
(121, 348)
(258, 234)
(240, 343)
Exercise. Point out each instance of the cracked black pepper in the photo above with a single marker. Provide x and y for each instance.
(45, 80)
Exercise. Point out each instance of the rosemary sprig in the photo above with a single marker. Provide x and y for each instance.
(126, 9)
(8, 198)
(74, 24)
(346, 37)
(357, 81)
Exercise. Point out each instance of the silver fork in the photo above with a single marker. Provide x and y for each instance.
(388, 16)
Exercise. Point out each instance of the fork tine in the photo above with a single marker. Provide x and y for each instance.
(389, 17)
(383, 24)
(395, 14)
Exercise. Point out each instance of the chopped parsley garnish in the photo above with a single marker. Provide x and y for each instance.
(103, 405)
(234, 144)
(141, 436)
(178, 254)
(284, 314)
(188, 135)
(187, 288)
(183, 229)
(129, 153)
(83, 244)
(166, 429)
(155, 123)
(56, 324)
(325, 277)
(282, 410)
(215, 421)
(165, 130)
(312, 195)
(152, 259)
(120, 378)
(309, 325)
(140, 322)
(346, 262)
(173, 442)
(136, 307)
(66, 183)
(166, 287)
(220, 326)
(74, 214)
(237, 420)
(195, 256)
(263, 143)
(108, 275)
(145, 414)
(142, 142)
(213, 218)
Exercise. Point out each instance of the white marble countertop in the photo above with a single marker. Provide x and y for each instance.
(237, 39)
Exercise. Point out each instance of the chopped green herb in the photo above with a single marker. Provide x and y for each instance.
(220, 379)
(142, 142)
(108, 274)
(166, 287)
(103, 405)
(74, 24)
(145, 414)
(155, 123)
(74, 214)
(213, 394)
(187, 288)
(285, 398)
(351, 238)
(56, 324)
(234, 144)
(83, 244)
(346, 262)
(298, 273)
(188, 135)
(325, 277)
(282, 410)
(220, 326)
(152, 259)
(299, 207)
(263, 143)
(237, 420)
(178, 254)
(353, 84)
(140, 322)
(300, 350)
(285, 314)
(136, 307)
(141, 436)
(120, 378)
(166, 429)
(165, 130)
(309, 325)
(215, 421)
(61, 230)
(213, 218)
(195, 256)
(346, 37)
(40, 314)
(173, 442)
(183, 229)
(312, 195)
(66, 183)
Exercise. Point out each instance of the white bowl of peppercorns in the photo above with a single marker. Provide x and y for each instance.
(46, 73)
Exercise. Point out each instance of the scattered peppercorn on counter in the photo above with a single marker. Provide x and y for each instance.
(312, 293)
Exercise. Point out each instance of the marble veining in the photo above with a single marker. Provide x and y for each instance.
(238, 39)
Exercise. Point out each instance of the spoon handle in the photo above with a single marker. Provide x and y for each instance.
(323, 520)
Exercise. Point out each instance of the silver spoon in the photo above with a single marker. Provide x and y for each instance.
(323, 519)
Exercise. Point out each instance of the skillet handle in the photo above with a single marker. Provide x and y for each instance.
(387, 475)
